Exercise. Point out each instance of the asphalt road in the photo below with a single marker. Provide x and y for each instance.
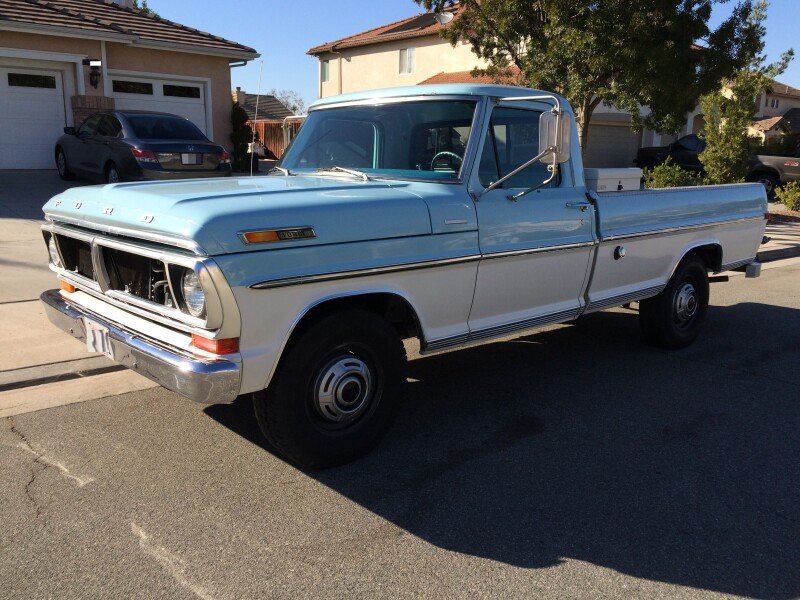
(574, 463)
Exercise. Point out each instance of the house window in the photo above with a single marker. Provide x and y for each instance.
(132, 87)
(408, 60)
(775, 103)
(34, 81)
(181, 91)
(326, 70)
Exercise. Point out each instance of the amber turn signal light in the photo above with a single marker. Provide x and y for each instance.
(260, 237)
(67, 287)
(226, 346)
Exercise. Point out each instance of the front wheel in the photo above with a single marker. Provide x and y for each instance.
(673, 318)
(333, 395)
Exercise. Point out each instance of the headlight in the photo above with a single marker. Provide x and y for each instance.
(51, 246)
(193, 295)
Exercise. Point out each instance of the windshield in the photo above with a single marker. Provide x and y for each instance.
(160, 127)
(421, 139)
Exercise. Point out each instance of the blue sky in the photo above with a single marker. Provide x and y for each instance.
(283, 31)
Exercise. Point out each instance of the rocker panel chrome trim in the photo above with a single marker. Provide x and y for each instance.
(501, 330)
(621, 299)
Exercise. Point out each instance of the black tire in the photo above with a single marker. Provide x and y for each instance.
(112, 173)
(333, 395)
(673, 318)
(63, 166)
(770, 181)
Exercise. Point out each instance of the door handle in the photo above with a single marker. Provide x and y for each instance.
(581, 206)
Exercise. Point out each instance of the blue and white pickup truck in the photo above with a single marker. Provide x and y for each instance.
(453, 214)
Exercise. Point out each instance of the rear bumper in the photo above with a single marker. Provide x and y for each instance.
(159, 175)
(204, 380)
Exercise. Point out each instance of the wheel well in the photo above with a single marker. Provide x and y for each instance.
(395, 309)
(109, 162)
(710, 254)
(764, 171)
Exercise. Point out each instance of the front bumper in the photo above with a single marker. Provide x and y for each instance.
(203, 380)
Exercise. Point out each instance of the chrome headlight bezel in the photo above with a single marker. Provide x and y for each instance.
(52, 249)
(193, 294)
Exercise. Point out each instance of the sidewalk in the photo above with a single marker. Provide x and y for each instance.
(783, 229)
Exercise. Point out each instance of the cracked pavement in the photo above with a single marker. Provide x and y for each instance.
(577, 462)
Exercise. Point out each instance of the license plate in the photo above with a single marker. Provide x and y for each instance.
(191, 159)
(97, 339)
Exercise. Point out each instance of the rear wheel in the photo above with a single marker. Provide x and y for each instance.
(62, 166)
(112, 173)
(332, 398)
(673, 318)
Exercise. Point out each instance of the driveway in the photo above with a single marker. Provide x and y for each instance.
(575, 463)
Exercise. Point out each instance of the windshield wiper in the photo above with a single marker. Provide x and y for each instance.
(283, 170)
(353, 172)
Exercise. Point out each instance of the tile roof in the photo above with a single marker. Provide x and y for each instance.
(420, 25)
(765, 124)
(104, 17)
(466, 77)
(776, 87)
(269, 107)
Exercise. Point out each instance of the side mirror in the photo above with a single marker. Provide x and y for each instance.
(555, 132)
(69, 130)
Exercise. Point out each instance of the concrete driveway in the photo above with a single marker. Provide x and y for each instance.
(576, 463)
(35, 351)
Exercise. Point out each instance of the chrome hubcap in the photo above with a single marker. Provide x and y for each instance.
(343, 390)
(685, 303)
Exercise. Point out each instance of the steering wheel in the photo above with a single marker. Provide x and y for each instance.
(445, 153)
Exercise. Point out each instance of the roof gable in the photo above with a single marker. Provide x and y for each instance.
(420, 25)
(106, 17)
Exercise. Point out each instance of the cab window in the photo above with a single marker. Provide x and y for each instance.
(512, 140)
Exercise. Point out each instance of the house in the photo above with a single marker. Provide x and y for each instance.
(272, 121)
(412, 52)
(769, 129)
(269, 107)
(60, 61)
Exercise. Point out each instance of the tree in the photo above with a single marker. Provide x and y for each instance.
(624, 52)
(241, 136)
(141, 6)
(728, 111)
(291, 99)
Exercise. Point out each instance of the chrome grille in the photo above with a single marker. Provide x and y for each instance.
(77, 256)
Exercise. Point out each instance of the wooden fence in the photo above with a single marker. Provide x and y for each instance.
(273, 136)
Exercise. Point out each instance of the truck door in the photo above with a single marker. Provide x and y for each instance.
(535, 251)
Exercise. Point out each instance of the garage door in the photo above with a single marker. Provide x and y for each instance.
(176, 97)
(612, 146)
(32, 117)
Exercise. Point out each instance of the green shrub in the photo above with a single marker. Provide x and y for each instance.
(789, 194)
(240, 137)
(668, 174)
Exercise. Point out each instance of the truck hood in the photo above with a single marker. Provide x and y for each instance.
(210, 214)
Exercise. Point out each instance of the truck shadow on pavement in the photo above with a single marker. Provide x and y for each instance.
(581, 443)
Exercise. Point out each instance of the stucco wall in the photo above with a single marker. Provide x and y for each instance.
(132, 58)
(378, 66)
(49, 43)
